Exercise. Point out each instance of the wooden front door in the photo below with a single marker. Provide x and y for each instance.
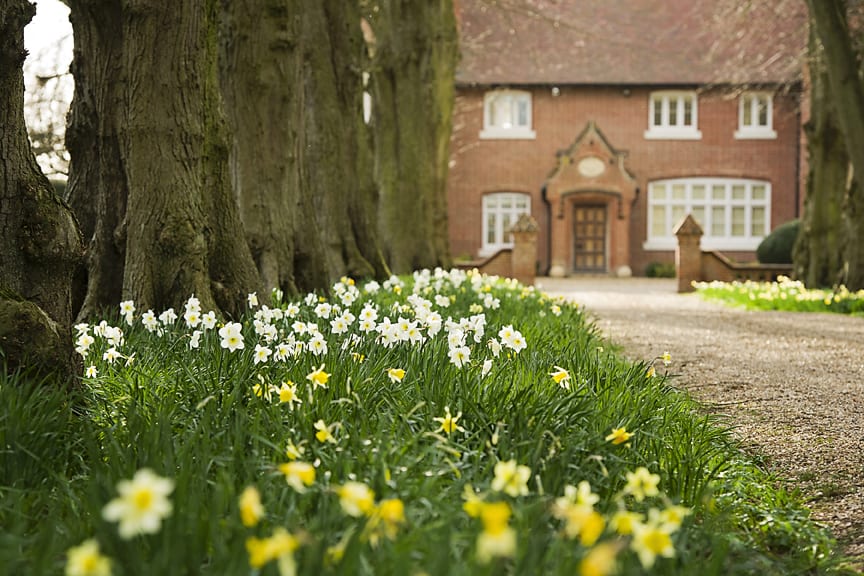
(589, 238)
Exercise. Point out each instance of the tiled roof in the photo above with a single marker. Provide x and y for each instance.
(637, 42)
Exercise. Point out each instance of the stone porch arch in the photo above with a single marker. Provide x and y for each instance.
(590, 173)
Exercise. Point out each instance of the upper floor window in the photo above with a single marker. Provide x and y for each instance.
(755, 116)
(507, 114)
(673, 116)
(500, 211)
(734, 213)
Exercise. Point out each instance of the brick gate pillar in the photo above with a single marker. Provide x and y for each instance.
(524, 258)
(688, 254)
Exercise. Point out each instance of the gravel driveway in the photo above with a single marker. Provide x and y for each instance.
(792, 384)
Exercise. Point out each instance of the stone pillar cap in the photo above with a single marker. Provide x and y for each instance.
(688, 227)
(525, 223)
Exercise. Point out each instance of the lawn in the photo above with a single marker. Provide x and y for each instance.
(448, 423)
(784, 294)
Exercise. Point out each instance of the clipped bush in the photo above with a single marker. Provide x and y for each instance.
(776, 248)
(660, 270)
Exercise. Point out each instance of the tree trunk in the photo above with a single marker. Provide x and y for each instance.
(843, 69)
(416, 52)
(148, 72)
(290, 77)
(97, 190)
(819, 247)
(40, 240)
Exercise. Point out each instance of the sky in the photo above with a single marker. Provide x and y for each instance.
(48, 37)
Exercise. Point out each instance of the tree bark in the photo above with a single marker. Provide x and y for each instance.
(416, 52)
(292, 87)
(819, 248)
(843, 69)
(147, 95)
(40, 240)
(97, 190)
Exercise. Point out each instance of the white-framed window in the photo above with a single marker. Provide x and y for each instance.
(734, 213)
(673, 115)
(500, 211)
(507, 115)
(755, 116)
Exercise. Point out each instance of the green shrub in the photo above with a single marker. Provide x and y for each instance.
(776, 248)
(660, 270)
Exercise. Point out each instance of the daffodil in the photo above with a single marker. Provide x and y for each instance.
(497, 539)
(92, 371)
(395, 374)
(600, 561)
(86, 560)
(288, 394)
(561, 377)
(324, 433)
(251, 509)
(624, 520)
(356, 499)
(318, 377)
(386, 519)
(298, 474)
(511, 478)
(672, 516)
(619, 436)
(280, 547)
(666, 358)
(449, 423)
(294, 451)
(231, 335)
(651, 540)
(641, 483)
(142, 504)
(473, 502)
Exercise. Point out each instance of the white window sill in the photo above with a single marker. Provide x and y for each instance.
(727, 244)
(673, 134)
(507, 134)
(751, 134)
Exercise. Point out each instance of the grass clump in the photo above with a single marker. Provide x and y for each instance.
(450, 423)
(784, 294)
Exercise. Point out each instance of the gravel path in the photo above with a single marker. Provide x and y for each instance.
(792, 384)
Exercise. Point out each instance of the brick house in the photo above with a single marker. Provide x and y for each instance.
(609, 120)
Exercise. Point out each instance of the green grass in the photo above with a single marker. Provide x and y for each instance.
(785, 294)
(192, 415)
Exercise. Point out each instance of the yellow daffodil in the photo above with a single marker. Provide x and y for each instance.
(641, 483)
(473, 502)
(298, 474)
(288, 394)
(600, 561)
(672, 516)
(280, 547)
(251, 509)
(386, 519)
(449, 422)
(511, 478)
(619, 436)
(624, 520)
(497, 539)
(356, 499)
(323, 433)
(561, 377)
(649, 541)
(142, 504)
(318, 377)
(396, 374)
(294, 451)
(86, 560)
(651, 372)
(667, 358)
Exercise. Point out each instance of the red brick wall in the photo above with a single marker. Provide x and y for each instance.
(621, 114)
